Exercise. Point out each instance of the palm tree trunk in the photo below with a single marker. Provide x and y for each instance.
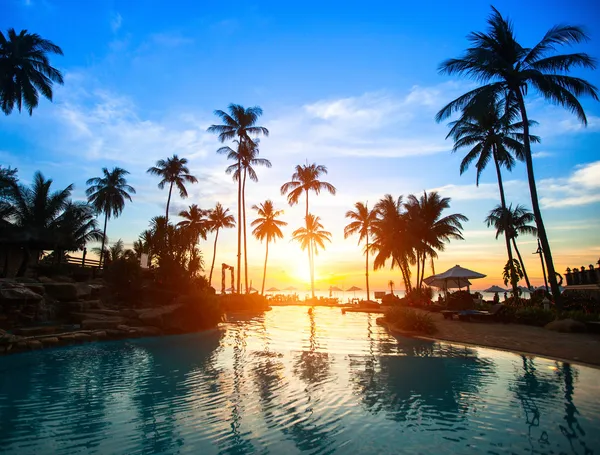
(522, 263)
(312, 269)
(418, 267)
(244, 216)
(168, 202)
(262, 289)
(239, 246)
(367, 269)
(24, 262)
(423, 259)
(103, 239)
(212, 266)
(536, 206)
(505, 222)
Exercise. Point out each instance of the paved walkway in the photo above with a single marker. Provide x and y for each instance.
(577, 347)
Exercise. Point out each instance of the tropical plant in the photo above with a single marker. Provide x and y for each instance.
(107, 194)
(506, 68)
(174, 172)
(362, 224)
(245, 157)
(391, 285)
(44, 220)
(514, 221)
(267, 227)
(115, 252)
(512, 274)
(430, 230)
(25, 70)
(409, 320)
(304, 180)
(219, 218)
(391, 237)
(239, 123)
(311, 237)
(195, 222)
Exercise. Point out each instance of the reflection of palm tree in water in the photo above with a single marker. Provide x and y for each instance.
(313, 366)
(574, 430)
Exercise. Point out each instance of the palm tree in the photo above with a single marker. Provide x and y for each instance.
(267, 227)
(25, 70)
(239, 123)
(219, 218)
(391, 285)
(430, 231)
(194, 222)
(362, 224)
(115, 252)
(174, 172)
(491, 134)
(506, 68)
(245, 157)
(514, 221)
(305, 179)
(391, 237)
(107, 194)
(310, 238)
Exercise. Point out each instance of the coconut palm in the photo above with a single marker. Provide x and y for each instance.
(430, 230)
(497, 60)
(391, 237)
(115, 252)
(491, 135)
(174, 172)
(219, 218)
(304, 180)
(25, 70)
(362, 224)
(311, 237)
(245, 157)
(267, 227)
(239, 123)
(514, 221)
(195, 222)
(391, 285)
(107, 194)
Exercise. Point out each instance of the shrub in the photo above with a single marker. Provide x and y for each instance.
(124, 279)
(390, 299)
(252, 302)
(419, 297)
(201, 310)
(534, 316)
(410, 320)
(460, 300)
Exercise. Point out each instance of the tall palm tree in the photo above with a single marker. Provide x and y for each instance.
(267, 227)
(195, 222)
(497, 60)
(304, 180)
(239, 123)
(311, 237)
(362, 224)
(514, 222)
(391, 285)
(219, 218)
(25, 70)
(174, 172)
(245, 157)
(491, 134)
(430, 230)
(391, 237)
(107, 194)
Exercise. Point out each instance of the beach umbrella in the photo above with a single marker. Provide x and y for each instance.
(252, 289)
(460, 275)
(494, 289)
(335, 289)
(290, 288)
(272, 290)
(229, 290)
(446, 284)
(353, 289)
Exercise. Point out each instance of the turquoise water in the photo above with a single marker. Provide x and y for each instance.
(291, 382)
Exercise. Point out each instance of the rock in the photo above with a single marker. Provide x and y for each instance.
(566, 325)
(109, 323)
(84, 291)
(116, 333)
(38, 288)
(7, 338)
(94, 304)
(34, 344)
(148, 331)
(100, 334)
(18, 295)
(45, 279)
(63, 279)
(96, 290)
(80, 336)
(33, 331)
(50, 341)
(25, 280)
(64, 292)
(129, 313)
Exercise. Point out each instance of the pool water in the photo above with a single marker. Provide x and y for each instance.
(293, 382)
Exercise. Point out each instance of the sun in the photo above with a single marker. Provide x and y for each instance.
(302, 271)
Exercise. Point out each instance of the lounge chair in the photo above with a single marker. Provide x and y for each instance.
(475, 315)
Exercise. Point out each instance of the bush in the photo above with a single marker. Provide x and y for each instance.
(410, 320)
(390, 299)
(124, 280)
(251, 302)
(534, 316)
(201, 310)
(460, 300)
(419, 297)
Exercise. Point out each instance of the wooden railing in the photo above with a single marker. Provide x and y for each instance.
(83, 261)
(583, 275)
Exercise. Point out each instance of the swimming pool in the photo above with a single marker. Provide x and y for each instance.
(293, 382)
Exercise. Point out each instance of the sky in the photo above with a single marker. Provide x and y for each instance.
(353, 86)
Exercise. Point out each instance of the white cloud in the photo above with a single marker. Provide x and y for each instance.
(542, 154)
(580, 188)
(116, 21)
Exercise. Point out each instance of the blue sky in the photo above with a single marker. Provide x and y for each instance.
(353, 86)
